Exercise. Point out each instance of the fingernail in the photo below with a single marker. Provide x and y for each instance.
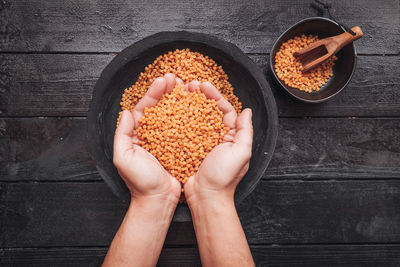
(123, 114)
(250, 113)
(122, 119)
(169, 74)
(159, 80)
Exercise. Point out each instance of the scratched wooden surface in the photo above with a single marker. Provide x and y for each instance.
(330, 197)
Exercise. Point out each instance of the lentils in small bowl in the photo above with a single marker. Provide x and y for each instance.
(325, 81)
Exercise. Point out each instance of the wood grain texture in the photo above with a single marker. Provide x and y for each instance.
(52, 257)
(272, 256)
(54, 149)
(336, 148)
(48, 85)
(61, 85)
(338, 255)
(98, 26)
(45, 149)
(290, 212)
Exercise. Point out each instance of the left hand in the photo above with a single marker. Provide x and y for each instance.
(143, 174)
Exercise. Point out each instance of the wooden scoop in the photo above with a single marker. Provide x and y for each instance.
(321, 50)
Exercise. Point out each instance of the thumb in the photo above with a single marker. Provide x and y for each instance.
(244, 130)
(124, 133)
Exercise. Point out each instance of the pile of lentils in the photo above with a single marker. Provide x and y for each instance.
(186, 65)
(181, 130)
(288, 68)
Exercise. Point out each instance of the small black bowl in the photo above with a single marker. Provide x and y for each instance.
(344, 66)
(246, 78)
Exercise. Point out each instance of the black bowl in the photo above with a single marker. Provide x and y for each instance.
(249, 85)
(344, 66)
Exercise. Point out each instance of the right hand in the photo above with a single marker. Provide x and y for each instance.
(227, 163)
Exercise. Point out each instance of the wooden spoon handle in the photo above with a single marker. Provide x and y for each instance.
(346, 37)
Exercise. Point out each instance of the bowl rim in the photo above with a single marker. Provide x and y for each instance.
(283, 86)
(95, 120)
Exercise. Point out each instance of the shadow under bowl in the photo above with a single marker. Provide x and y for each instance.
(342, 71)
(249, 85)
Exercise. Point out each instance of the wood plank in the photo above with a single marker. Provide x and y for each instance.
(285, 256)
(290, 212)
(48, 85)
(98, 26)
(338, 255)
(61, 85)
(40, 149)
(54, 149)
(335, 148)
(52, 257)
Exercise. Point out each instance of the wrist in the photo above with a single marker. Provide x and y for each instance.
(155, 206)
(210, 199)
(159, 201)
(209, 211)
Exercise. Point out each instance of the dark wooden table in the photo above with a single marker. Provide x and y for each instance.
(330, 197)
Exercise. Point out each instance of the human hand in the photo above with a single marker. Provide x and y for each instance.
(143, 174)
(227, 163)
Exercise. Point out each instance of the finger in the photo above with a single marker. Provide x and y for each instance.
(124, 134)
(229, 136)
(150, 99)
(179, 81)
(244, 130)
(229, 112)
(171, 81)
(193, 85)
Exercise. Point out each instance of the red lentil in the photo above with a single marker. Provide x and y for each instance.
(288, 67)
(186, 65)
(181, 130)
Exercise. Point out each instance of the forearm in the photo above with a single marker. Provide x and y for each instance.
(141, 235)
(219, 233)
